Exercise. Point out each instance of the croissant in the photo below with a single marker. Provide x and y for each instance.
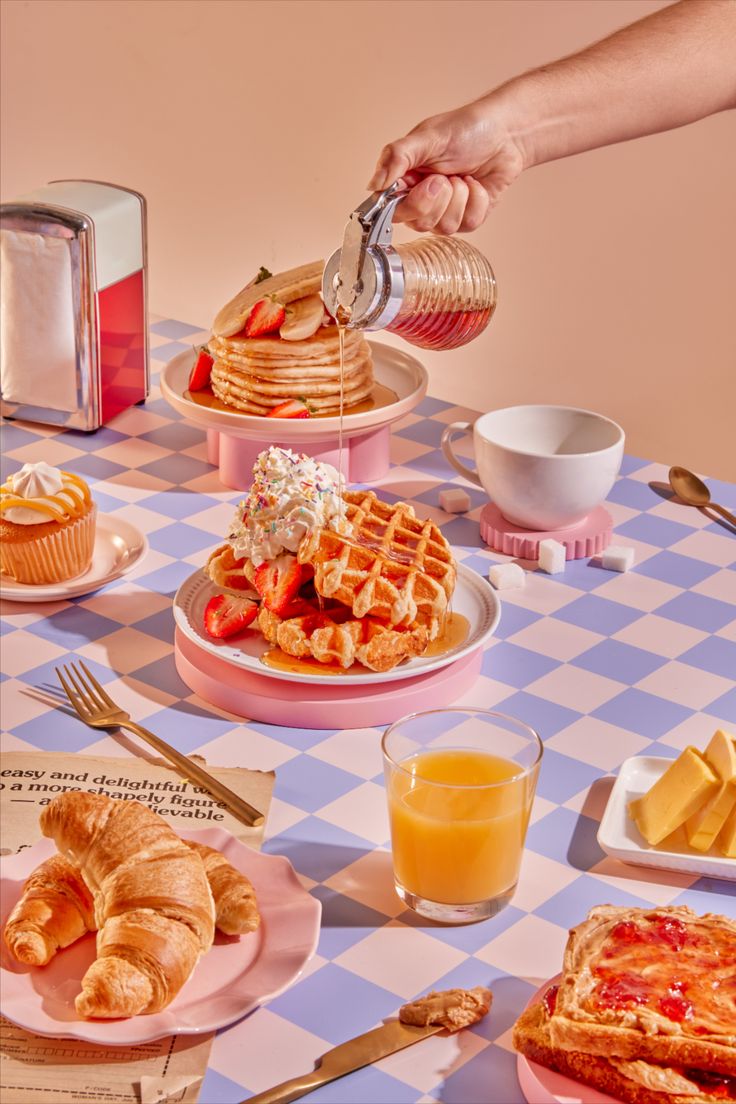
(236, 910)
(55, 910)
(56, 907)
(153, 909)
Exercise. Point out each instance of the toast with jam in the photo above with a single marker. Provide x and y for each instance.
(645, 1008)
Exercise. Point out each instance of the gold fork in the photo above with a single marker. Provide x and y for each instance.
(96, 708)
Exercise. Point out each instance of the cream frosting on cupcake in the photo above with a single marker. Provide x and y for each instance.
(39, 493)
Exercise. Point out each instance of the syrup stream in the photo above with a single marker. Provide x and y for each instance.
(342, 317)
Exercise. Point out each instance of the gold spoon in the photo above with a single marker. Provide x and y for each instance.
(694, 492)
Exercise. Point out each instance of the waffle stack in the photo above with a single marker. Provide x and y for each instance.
(293, 354)
(376, 597)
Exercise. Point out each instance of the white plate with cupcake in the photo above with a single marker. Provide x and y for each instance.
(53, 542)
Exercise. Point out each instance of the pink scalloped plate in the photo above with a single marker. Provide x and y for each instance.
(543, 1086)
(236, 975)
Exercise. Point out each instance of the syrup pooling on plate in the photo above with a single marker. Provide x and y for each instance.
(455, 634)
(380, 396)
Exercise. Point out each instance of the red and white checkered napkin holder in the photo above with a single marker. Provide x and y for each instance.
(73, 304)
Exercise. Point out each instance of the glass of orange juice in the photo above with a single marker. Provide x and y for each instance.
(460, 786)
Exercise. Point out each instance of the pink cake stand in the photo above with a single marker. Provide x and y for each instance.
(234, 439)
(318, 705)
(588, 538)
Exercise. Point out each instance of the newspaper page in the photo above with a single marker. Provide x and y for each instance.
(62, 1071)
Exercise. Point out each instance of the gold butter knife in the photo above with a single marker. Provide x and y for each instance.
(353, 1055)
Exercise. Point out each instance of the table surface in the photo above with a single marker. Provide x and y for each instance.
(603, 665)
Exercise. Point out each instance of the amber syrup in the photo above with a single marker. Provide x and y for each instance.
(441, 329)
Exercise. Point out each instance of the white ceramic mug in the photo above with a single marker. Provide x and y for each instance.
(545, 467)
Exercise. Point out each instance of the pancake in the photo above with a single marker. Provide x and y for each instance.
(230, 390)
(323, 344)
(255, 374)
(285, 287)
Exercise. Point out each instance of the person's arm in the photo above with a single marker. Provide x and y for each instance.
(671, 68)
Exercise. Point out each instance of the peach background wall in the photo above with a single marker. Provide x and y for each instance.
(252, 125)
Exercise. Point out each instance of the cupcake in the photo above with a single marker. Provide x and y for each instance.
(47, 525)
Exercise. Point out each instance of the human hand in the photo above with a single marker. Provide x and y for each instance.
(457, 166)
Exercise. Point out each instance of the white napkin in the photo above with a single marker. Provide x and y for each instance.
(37, 346)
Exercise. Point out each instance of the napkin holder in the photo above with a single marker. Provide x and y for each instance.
(73, 304)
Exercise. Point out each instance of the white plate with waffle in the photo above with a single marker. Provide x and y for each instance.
(473, 599)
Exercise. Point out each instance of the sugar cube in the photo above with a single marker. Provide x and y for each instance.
(455, 500)
(617, 557)
(503, 576)
(552, 556)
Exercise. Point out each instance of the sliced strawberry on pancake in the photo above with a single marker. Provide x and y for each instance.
(199, 376)
(292, 408)
(266, 317)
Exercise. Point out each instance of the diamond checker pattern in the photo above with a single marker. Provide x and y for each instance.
(577, 656)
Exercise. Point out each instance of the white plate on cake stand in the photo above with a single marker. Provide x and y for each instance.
(393, 368)
(236, 975)
(620, 838)
(473, 598)
(119, 547)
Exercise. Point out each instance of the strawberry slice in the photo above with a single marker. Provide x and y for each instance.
(292, 408)
(265, 318)
(227, 614)
(199, 376)
(278, 582)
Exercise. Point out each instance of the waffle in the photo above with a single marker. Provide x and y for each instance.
(228, 572)
(335, 636)
(394, 568)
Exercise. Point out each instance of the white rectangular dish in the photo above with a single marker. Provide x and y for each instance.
(620, 838)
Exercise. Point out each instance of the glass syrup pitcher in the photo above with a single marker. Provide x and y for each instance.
(436, 292)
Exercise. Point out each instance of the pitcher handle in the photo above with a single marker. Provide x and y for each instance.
(447, 435)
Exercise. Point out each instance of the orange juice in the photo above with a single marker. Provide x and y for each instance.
(458, 822)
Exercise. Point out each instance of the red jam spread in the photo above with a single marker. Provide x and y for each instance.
(550, 999)
(718, 1085)
(684, 972)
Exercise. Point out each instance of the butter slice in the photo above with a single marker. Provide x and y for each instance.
(683, 788)
(721, 754)
(727, 836)
(704, 826)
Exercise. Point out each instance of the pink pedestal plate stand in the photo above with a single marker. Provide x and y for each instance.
(322, 705)
(588, 538)
(234, 439)
(364, 458)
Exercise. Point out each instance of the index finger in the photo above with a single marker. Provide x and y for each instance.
(397, 159)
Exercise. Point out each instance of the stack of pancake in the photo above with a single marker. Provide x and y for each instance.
(257, 373)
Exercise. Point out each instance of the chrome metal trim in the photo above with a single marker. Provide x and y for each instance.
(144, 259)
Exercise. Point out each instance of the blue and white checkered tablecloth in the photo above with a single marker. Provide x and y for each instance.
(603, 665)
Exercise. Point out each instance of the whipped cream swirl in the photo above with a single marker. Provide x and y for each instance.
(52, 495)
(292, 495)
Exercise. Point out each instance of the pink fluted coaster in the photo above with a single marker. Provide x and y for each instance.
(588, 538)
(304, 705)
